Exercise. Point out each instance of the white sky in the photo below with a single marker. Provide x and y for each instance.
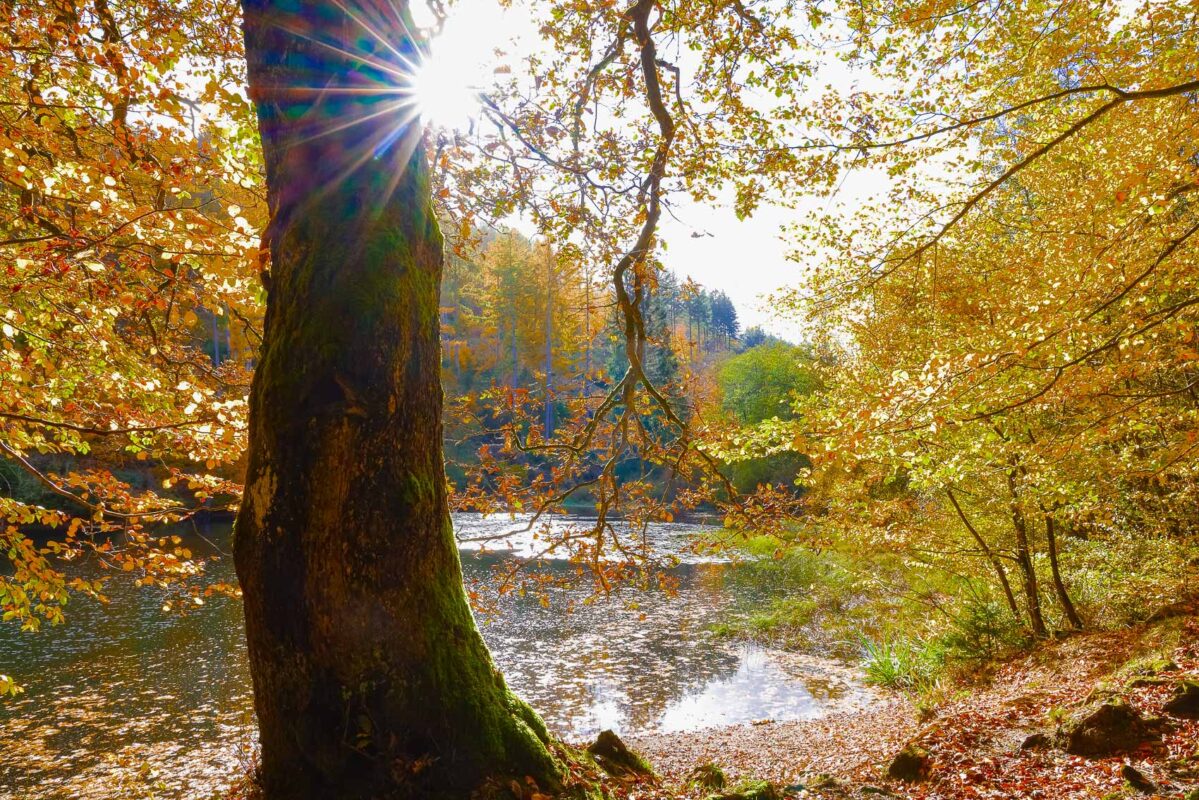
(745, 259)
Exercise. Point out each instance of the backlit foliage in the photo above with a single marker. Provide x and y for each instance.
(1014, 318)
(628, 109)
(1006, 334)
(129, 210)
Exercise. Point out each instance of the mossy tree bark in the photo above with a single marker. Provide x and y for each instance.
(370, 677)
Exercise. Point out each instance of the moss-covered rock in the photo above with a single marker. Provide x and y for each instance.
(616, 759)
(1185, 702)
(707, 776)
(1036, 741)
(1136, 780)
(1109, 728)
(751, 790)
(1151, 665)
(821, 781)
(1147, 680)
(910, 764)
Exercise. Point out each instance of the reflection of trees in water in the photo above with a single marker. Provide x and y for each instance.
(122, 678)
(579, 668)
(753, 582)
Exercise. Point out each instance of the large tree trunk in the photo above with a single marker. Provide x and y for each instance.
(370, 677)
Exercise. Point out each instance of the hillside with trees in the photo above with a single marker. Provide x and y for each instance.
(527, 327)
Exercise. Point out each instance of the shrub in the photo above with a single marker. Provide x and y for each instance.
(904, 664)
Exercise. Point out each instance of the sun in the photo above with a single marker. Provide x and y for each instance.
(459, 62)
(445, 88)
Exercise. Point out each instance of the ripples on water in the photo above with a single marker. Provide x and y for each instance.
(126, 696)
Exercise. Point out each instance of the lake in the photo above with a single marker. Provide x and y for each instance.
(125, 698)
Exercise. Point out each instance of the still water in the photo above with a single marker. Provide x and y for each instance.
(128, 701)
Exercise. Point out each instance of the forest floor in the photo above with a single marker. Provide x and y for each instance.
(974, 740)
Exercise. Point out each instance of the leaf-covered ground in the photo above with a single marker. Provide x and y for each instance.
(974, 738)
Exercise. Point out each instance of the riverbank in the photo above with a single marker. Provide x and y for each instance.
(848, 744)
(1004, 735)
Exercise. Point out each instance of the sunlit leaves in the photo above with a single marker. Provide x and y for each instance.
(1012, 313)
(125, 143)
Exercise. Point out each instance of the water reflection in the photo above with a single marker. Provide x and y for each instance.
(127, 694)
(520, 536)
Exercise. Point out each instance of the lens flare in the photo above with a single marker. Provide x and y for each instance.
(443, 88)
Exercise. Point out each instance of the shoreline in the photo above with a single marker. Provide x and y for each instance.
(976, 742)
(852, 744)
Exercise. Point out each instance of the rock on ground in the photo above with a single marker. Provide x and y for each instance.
(1110, 728)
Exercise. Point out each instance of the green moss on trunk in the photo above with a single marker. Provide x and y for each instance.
(370, 677)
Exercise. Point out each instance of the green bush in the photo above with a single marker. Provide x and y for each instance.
(983, 629)
(905, 664)
(1121, 579)
(789, 612)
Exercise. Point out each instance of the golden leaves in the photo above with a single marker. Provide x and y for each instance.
(118, 250)
(1046, 337)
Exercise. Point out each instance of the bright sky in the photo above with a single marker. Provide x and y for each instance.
(746, 259)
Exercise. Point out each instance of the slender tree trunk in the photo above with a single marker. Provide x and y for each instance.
(513, 379)
(586, 330)
(370, 677)
(996, 564)
(549, 342)
(228, 332)
(1059, 585)
(670, 306)
(1032, 597)
(216, 341)
(499, 342)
